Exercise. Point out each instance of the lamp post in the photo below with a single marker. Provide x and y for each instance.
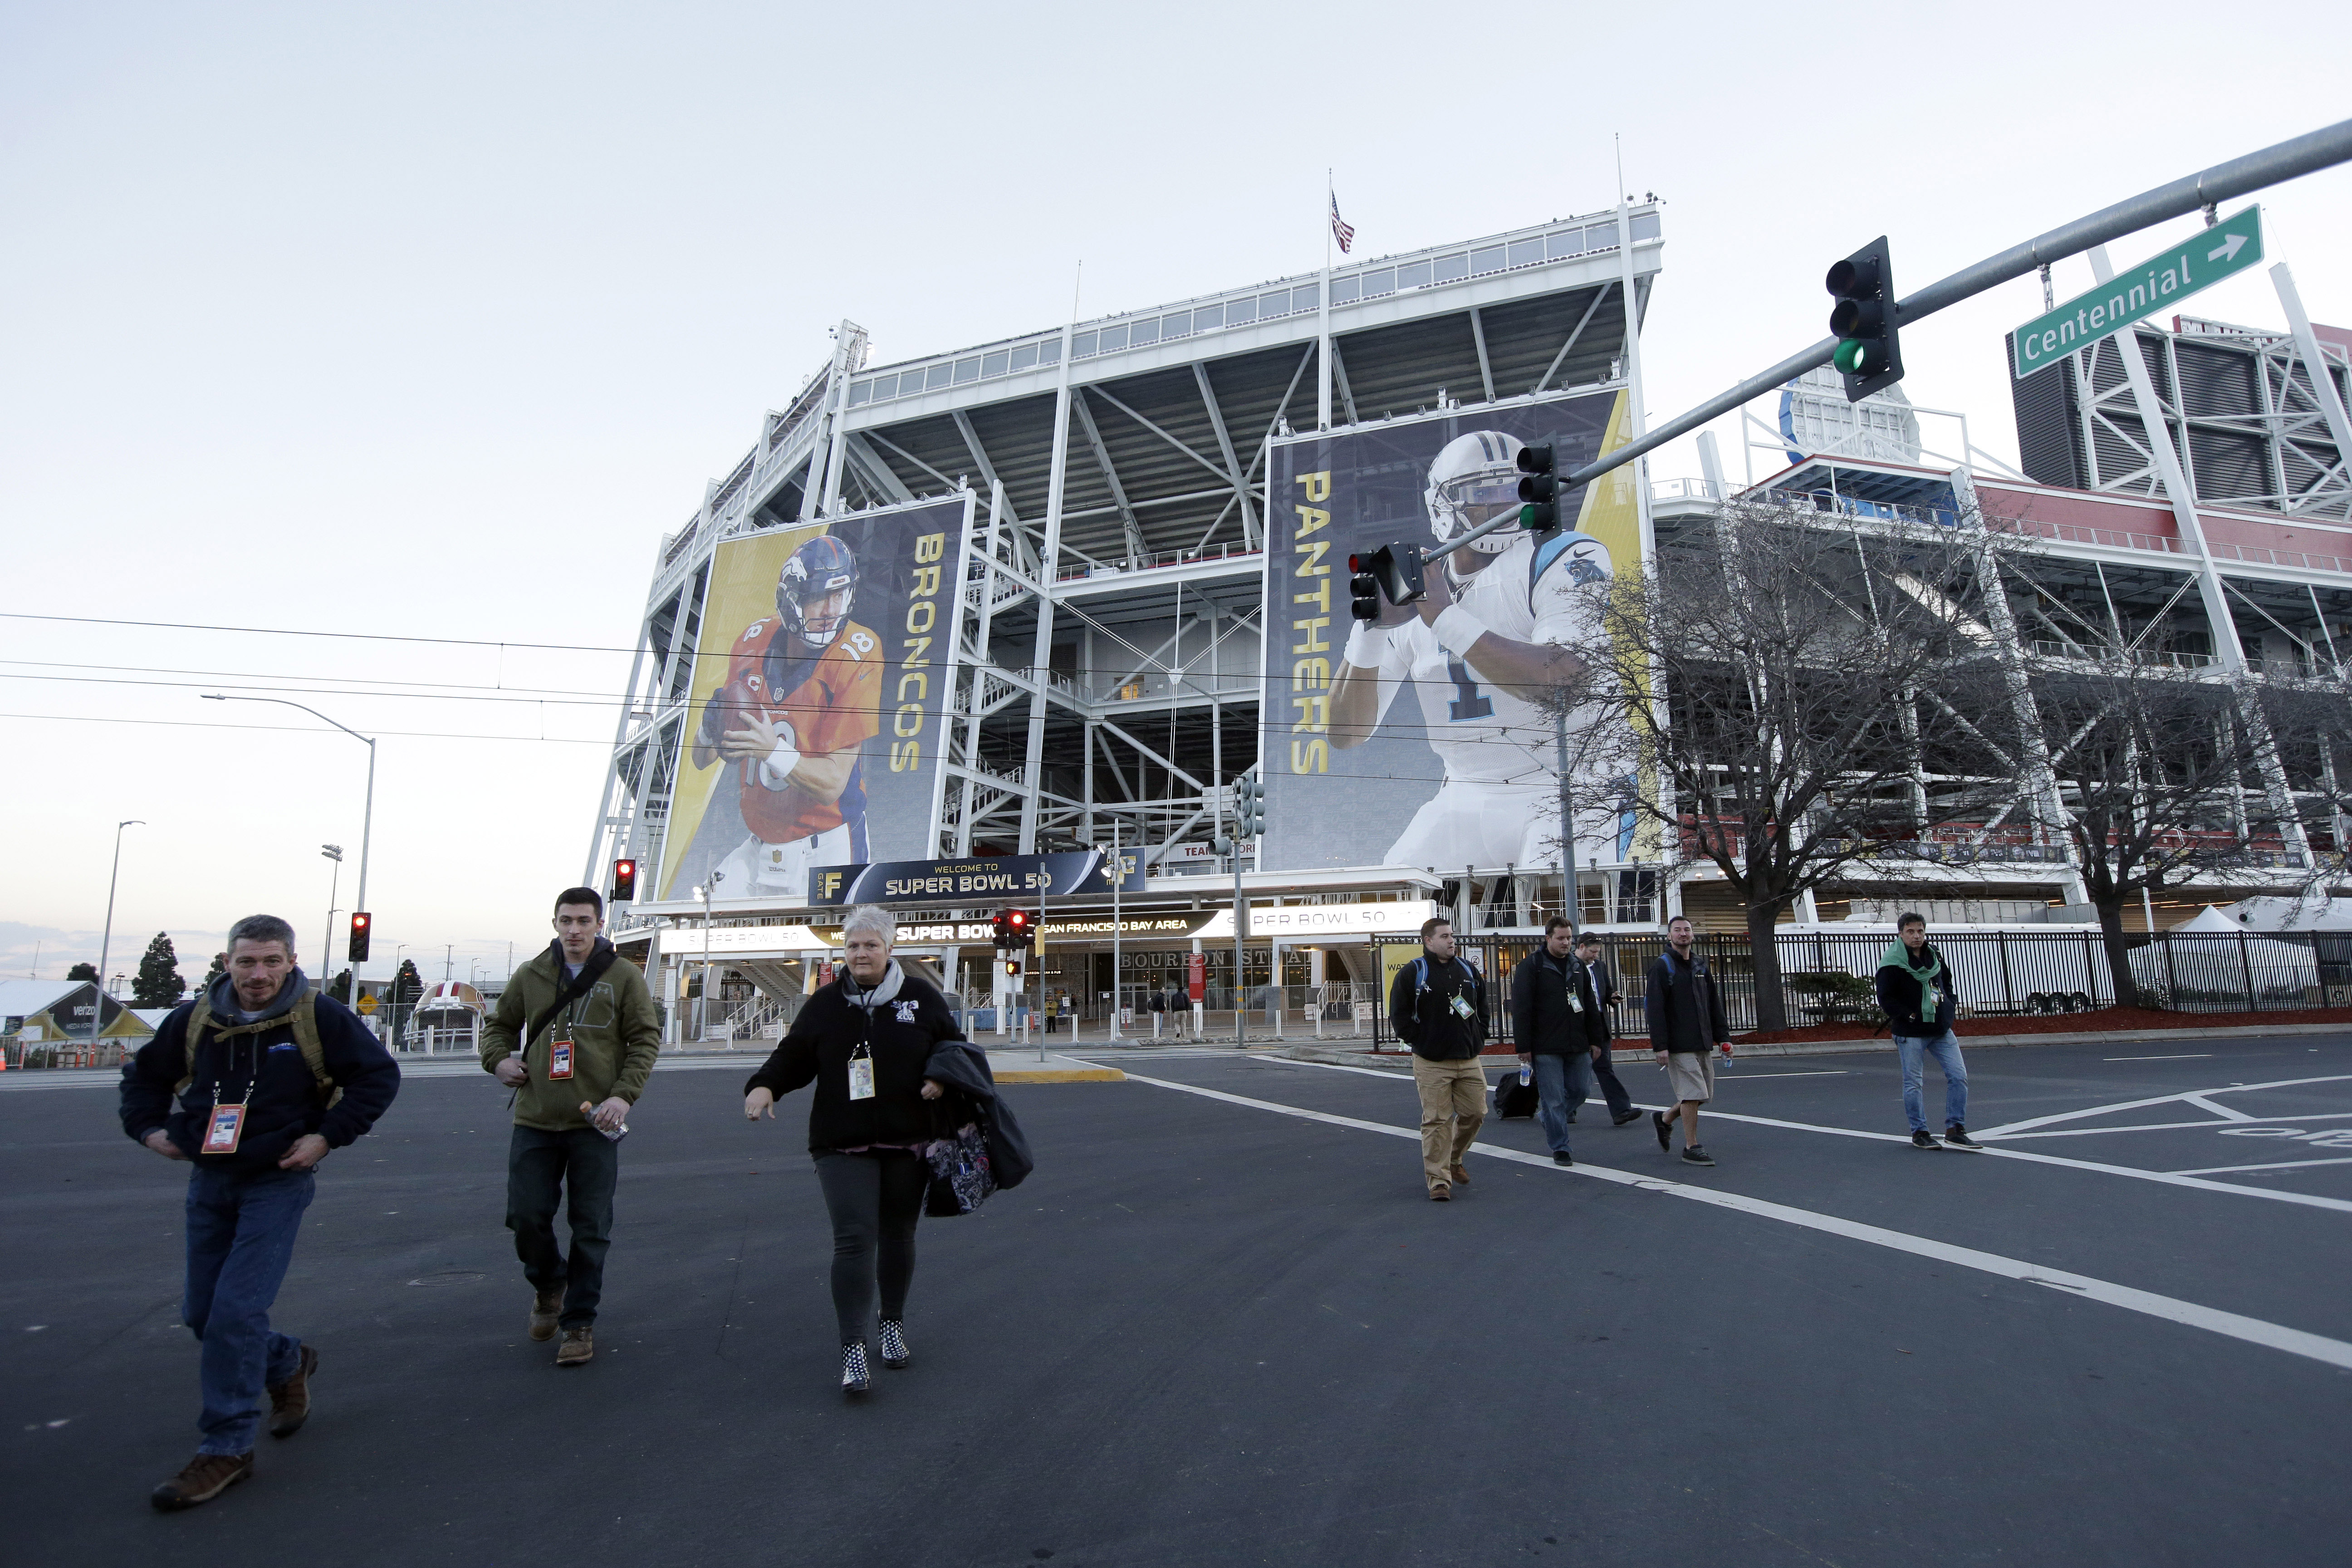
(367, 819)
(327, 948)
(97, 1002)
(702, 1009)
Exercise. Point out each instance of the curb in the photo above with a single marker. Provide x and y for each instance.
(1054, 1069)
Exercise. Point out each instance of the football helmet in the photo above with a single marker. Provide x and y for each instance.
(805, 589)
(1475, 478)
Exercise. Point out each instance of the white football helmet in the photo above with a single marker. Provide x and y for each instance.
(1475, 478)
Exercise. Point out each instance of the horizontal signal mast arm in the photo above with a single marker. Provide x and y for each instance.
(2304, 154)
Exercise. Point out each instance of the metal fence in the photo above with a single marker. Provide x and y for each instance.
(1829, 978)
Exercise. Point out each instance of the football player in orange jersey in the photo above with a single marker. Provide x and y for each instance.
(801, 695)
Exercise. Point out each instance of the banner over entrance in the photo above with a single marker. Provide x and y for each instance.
(982, 880)
(820, 674)
(1420, 740)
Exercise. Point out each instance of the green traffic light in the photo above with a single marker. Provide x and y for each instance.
(1849, 355)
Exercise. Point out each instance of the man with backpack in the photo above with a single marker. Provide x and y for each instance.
(1686, 1028)
(1439, 1006)
(252, 1083)
(574, 1036)
(1557, 1020)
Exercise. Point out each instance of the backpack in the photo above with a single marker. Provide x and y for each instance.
(303, 1016)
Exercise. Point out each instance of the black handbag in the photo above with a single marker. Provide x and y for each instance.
(961, 1177)
(1513, 1100)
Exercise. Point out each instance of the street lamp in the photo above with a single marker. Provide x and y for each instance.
(97, 1003)
(367, 821)
(327, 948)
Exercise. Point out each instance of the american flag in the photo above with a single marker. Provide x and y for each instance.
(1340, 230)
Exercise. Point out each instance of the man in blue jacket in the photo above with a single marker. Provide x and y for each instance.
(1915, 991)
(252, 1082)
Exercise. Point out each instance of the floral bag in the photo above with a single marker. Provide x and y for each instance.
(960, 1177)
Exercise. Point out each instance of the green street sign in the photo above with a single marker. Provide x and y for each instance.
(2227, 247)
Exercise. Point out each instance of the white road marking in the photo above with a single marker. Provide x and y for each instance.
(2281, 1165)
(2191, 1056)
(1741, 1076)
(2171, 1308)
(2051, 1119)
(2164, 1178)
(2231, 1126)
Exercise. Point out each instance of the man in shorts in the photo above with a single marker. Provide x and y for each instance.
(1686, 1028)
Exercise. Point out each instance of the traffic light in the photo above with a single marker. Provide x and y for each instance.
(1397, 569)
(1013, 929)
(359, 946)
(625, 882)
(1539, 491)
(1863, 321)
(1249, 808)
(1013, 969)
(1363, 589)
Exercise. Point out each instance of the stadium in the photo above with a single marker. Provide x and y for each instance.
(1060, 592)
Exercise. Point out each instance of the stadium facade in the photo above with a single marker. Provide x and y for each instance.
(1062, 591)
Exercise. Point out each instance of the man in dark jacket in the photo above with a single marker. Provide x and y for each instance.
(574, 1035)
(1915, 991)
(1556, 1021)
(252, 1083)
(1604, 988)
(1686, 1028)
(1439, 1006)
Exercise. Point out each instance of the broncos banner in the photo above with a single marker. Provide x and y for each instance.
(1424, 739)
(820, 677)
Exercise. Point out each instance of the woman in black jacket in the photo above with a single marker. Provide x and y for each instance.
(865, 1040)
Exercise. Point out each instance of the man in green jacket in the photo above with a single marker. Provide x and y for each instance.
(574, 1036)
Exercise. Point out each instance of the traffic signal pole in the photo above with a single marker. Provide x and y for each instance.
(2305, 154)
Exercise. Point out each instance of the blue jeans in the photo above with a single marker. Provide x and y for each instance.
(1562, 1083)
(578, 1168)
(1945, 1049)
(241, 1230)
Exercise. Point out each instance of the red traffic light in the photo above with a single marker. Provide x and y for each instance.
(357, 950)
(1019, 918)
(624, 880)
(359, 922)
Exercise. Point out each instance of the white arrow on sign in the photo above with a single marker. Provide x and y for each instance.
(2229, 250)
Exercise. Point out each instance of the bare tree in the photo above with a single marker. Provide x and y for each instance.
(1802, 688)
(2166, 776)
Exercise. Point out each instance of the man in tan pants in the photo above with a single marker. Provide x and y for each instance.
(1439, 1006)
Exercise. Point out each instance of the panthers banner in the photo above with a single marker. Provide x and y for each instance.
(820, 677)
(1421, 740)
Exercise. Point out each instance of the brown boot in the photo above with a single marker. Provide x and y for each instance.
(1460, 1176)
(205, 1478)
(578, 1348)
(545, 1307)
(289, 1401)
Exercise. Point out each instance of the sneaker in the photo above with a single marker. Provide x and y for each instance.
(579, 1348)
(853, 1376)
(1957, 1137)
(895, 1354)
(1441, 1194)
(1560, 1157)
(1665, 1130)
(289, 1401)
(546, 1306)
(205, 1478)
(1621, 1120)
(1695, 1155)
(1923, 1138)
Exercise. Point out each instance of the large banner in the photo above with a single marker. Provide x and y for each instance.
(1416, 740)
(820, 673)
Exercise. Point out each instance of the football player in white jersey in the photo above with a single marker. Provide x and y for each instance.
(1495, 630)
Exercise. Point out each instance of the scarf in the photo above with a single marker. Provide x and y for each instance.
(1931, 999)
(892, 978)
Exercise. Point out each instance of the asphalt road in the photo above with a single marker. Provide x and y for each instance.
(1229, 1328)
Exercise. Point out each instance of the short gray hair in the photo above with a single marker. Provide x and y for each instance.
(262, 928)
(873, 918)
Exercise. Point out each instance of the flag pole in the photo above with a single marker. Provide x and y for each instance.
(1323, 327)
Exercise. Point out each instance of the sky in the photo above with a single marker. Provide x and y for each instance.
(428, 320)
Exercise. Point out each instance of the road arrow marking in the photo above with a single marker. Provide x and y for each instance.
(2227, 252)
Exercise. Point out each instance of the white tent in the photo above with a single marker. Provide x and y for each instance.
(2212, 958)
(2267, 912)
